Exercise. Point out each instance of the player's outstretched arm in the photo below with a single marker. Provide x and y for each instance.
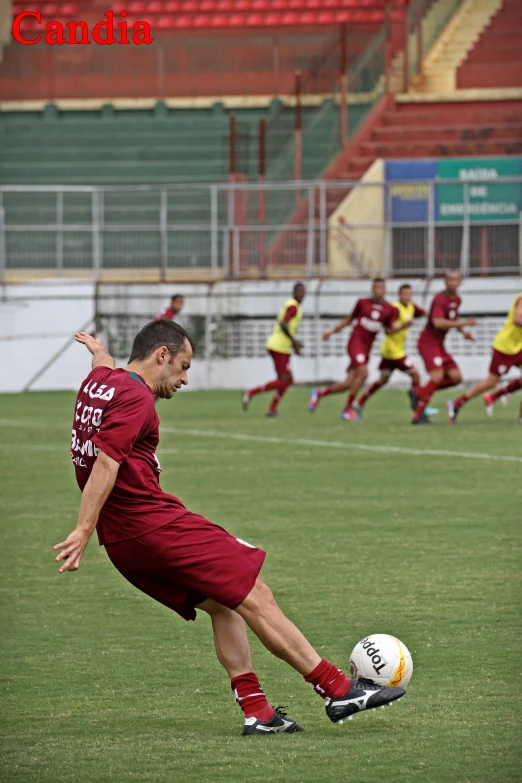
(447, 323)
(95, 493)
(100, 355)
(339, 327)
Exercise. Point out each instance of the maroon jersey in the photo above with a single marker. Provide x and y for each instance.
(115, 413)
(369, 316)
(443, 306)
(168, 313)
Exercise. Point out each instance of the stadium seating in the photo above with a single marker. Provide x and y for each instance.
(496, 58)
(198, 14)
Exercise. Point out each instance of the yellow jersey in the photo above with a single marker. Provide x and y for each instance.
(291, 313)
(509, 339)
(393, 345)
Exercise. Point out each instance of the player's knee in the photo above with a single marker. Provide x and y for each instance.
(287, 378)
(456, 377)
(258, 598)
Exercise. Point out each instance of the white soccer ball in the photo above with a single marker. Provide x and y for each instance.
(383, 659)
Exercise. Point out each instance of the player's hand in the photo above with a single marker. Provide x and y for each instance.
(327, 335)
(468, 336)
(90, 342)
(298, 347)
(72, 550)
(469, 322)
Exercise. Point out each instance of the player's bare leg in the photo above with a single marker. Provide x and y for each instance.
(508, 388)
(334, 388)
(376, 385)
(233, 652)
(483, 386)
(360, 375)
(343, 697)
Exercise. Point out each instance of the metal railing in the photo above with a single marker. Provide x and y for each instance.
(242, 230)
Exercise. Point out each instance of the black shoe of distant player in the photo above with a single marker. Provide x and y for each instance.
(422, 419)
(414, 399)
(279, 724)
(363, 695)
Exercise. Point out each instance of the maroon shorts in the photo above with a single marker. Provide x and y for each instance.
(281, 362)
(186, 561)
(435, 357)
(389, 365)
(502, 362)
(359, 354)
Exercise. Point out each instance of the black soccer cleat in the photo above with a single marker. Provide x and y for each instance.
(414, 399)
(278, 725)
(363, 695)
(422, 419)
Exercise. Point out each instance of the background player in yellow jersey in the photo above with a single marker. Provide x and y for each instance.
(507, 353)
(280, 345)
(393, 351)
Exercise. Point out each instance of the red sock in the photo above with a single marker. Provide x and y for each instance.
(349, 401)
(368, 393)
(251, 697)
(329, 681)
(509, 388)
(416, 388)
(276, 399)
(267, 387)
(324, 392)
(460, 401)
(425, 394)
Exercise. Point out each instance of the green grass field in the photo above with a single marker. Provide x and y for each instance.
(99, 683)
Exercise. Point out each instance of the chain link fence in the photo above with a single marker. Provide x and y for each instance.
(245, 230)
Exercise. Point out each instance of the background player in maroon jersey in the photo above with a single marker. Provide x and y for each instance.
(441, 366)
(369, 316)
(179, 558)
(175, 308)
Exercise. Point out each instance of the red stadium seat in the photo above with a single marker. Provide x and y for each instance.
(50, 9)
(207, 6)
(220, 20)
(190, 7)
(272, 20)
(165, 23)
(260, 5)
(155, 7)
(173, 7)
(254, 20)
(68, 9)
(225, 5)
(326, 17)
(183, 21)
(137, 7)
(236, 20)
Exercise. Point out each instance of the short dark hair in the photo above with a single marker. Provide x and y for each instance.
(298, 285)
(176, 296)
(378, 280)
(158, 333)
(403, 286)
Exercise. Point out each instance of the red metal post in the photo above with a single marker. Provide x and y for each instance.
(387, 46)
(343, 80)
(419, 39)
(298, 134)
(406, 58)
(261, 202)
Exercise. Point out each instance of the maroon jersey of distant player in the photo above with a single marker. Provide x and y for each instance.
(115, 413)
(443, 306)
(168, 313)
(369, 316)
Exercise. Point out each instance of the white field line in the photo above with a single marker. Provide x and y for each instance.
(341, 445)
(329, 444)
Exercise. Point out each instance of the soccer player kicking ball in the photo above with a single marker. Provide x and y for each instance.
(393, 351)
(441, 366)
(173, 555)
(507, 353)
(280, 345)
(369, 315)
